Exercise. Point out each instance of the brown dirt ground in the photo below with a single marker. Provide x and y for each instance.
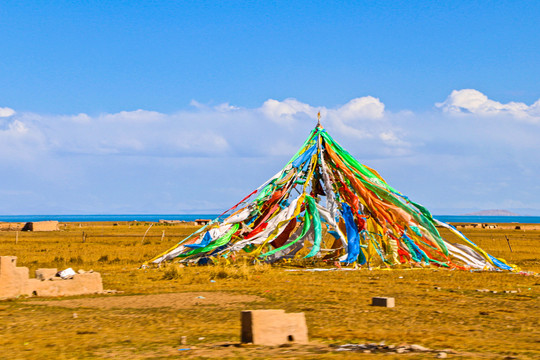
(171, 300)
(435, 308)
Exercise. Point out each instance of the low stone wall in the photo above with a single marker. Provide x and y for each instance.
(15, 281)
(8, 226)
(501, 226)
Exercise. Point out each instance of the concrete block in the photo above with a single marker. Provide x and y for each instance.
(45, 274)
(383, 301)
(273, 327)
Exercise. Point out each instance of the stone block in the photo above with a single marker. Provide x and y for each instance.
(273, 327)
(45, 274)
(383, 301)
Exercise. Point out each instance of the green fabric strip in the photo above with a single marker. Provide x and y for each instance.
(316, 218)
(214, 244)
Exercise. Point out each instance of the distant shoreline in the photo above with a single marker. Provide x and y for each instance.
(193, 217)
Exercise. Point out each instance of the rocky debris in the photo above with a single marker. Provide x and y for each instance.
(399, 349)
(495, 291)
(449, 351)
(418, 348)
(111, 292)
(161, 221)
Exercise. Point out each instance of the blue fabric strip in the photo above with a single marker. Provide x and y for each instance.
(353, 238)
(499, 263)
(205, 242)
(419, 253)
(334, 234)
(304, 157)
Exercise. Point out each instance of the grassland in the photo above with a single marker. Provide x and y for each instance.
(436, 308)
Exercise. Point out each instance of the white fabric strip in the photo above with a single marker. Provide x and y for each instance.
(325, 213)
(241, 216)
(284, 215)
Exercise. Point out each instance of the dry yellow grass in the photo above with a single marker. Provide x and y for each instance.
(435, 308)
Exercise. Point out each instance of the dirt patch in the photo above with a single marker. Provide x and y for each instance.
(171, 300)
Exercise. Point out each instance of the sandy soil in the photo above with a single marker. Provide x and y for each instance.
(171, 300)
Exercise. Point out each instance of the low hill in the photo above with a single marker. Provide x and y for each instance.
(493, 213)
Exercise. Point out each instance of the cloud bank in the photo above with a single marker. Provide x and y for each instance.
(206, 157)
(470, 101)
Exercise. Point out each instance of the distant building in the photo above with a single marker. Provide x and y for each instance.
(202, 221)
(41, 226)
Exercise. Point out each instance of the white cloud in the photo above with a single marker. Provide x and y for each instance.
(366, 107)
(470, 101)
(226, 107)
(287, 109)
(353, 119)
(17, 127)
(197, 104)
(133, 116)
(20, 142)
(6, 112)
(80, 118)
(389, 137)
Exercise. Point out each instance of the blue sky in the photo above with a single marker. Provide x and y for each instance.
(170, 107)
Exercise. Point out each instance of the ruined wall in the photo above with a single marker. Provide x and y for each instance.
(15, 281)
(8, 226)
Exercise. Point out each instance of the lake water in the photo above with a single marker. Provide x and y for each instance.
(113, 217)
(191, 217)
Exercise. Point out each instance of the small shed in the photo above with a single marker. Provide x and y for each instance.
(202, 221)
(51, 225)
